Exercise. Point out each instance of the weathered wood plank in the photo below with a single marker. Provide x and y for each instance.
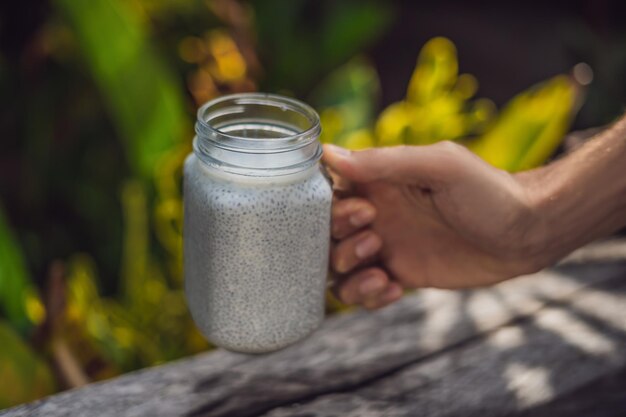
(350, 352)
(561, 348)
(155, 391)
(602, 397)
(610, 250)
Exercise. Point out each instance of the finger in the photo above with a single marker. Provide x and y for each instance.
(431, 164)
(351, 214)
(393, 292)
(357, 287)
(341, 185)
(355, 250)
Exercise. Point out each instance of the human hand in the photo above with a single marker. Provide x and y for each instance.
(427, 216)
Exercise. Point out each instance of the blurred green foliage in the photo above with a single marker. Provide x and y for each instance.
(25, 375)
(143, 98)
(91, 267)
(530, 127)
(440, 105)
(18, 299)
(304, 40)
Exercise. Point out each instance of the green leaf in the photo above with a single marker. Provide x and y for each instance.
(18, 298)
(530, 127)
(351, 26)
(302, 41)
(349, 94)
(25, 376)
(143, 97)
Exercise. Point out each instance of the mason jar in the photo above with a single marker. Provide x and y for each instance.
(256, 222)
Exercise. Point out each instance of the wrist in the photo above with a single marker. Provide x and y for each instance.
(546, 233)
(577, 199)
(536, 246)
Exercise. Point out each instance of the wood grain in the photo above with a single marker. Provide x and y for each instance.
(512, 348)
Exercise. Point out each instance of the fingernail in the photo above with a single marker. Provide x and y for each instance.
(367, 247)
(341, 266)
(361, 217)
(337, 150)
(371, 285)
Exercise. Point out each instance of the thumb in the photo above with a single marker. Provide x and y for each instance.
(401, 164)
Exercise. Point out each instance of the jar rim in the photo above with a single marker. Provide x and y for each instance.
(229, 141)
(257, 134)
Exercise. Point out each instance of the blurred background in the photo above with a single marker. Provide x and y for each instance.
(99, 100)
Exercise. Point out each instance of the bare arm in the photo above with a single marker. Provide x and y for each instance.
(581, 197)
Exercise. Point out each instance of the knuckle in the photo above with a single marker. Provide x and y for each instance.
(451, 148)
(397, 150)
(454, 158)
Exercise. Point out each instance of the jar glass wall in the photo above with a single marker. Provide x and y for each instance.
(257, 222)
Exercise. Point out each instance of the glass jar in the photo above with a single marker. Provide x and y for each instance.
(256, 223)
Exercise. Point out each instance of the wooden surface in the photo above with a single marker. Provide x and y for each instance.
(550, 344)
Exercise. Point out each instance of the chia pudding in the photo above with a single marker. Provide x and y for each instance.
(256, 235)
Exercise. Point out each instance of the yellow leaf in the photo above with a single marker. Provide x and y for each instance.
(436, 71)
(393, 124)
(333, 124)
(530, 127)
(360, 139)
(561, 111)
(466, 86)
(25, 376)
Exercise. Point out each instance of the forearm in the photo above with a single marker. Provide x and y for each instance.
(581, 197)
